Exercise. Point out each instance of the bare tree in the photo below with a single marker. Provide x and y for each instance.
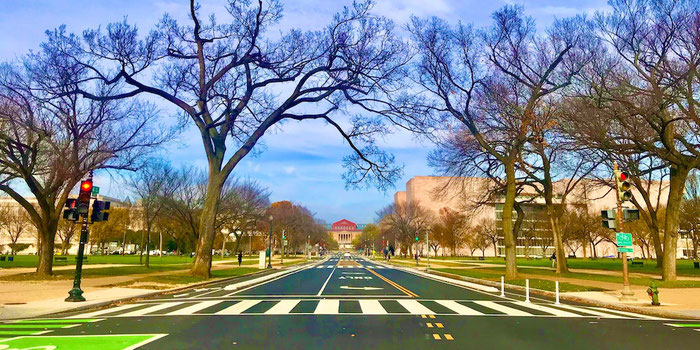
(406, 221)
(646, 91)
(493, 83)
(13, 221)
(235, 83)
(153, 183)
(66, 231)
(452, 229)
(50, 138)
(243, 205)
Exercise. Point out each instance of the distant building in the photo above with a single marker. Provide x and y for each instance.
(344, 232)
(29, 236)
(466, 195)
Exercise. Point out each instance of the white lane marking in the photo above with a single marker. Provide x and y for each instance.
(372, 307)
(238, 308)
(415, 307)
(458, 308)
(194, 308)
(548, 310)
(106, 311)
(325, 283)
(630, 314)
(589, 311)
(180, 295)
(502, 308)
(327, 307)
(320, 267)
(283, 307)
(150, 309)
(330, 266)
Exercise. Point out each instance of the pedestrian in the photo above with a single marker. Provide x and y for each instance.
(240, 258)
(554, 259)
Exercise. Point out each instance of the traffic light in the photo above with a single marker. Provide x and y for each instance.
(623, 186)
(630, 214)
(283, 234)
(71, 212)
(609, 219)
(84, 197)
(416, 238)
(100, 211)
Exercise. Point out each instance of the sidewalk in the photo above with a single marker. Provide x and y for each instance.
(26, 299)
(675, 302)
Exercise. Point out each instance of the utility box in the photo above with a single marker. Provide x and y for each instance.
(261, 260)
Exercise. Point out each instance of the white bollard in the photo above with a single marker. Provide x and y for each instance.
(502, 287)
(527, 290)
(556, 284)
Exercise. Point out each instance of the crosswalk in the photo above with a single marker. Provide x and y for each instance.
(350, 267)
(357, 307)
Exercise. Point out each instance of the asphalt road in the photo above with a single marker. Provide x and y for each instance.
(349, 304)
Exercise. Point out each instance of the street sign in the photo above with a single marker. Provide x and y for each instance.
(624, 239)
(95, 190)
(625, 249)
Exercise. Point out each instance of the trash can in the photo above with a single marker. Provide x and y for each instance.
(696, 264)
(10, 258)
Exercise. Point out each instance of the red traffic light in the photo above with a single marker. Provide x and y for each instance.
(86, 186)
(623, 176)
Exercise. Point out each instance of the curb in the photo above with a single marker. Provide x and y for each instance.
(108, 303)
(585, 301)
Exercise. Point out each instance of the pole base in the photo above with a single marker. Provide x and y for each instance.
(75, 295)
(627, 294)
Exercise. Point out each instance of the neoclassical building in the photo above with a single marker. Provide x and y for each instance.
(344, 231)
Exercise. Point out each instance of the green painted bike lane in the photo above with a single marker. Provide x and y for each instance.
(32, 334)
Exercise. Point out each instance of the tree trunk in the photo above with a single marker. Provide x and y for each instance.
(675, 197)
(124, 244)
(508, 238)
(143, 240)
(595, 253)
(148, 243)
(558, 245)
(46, 245)
(207, 233)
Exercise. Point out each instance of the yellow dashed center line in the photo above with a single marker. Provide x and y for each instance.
(436, 336)
(449, 337)
(395, 285)
(430, 325)
(439, 325)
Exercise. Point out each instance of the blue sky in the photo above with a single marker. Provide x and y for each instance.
(301, 161)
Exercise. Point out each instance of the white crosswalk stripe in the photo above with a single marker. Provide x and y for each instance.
(367, 307)
(194, 308)
(502, 308)
(327, 307)
(283, 307)
(238, 307)
(148, 310)
(458, 308)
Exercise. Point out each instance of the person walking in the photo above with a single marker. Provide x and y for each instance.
(240, 258)
(554, 259)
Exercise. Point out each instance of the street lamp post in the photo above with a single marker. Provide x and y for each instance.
(269, 246)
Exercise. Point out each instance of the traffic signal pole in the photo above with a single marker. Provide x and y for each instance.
(76, 294)
(627, 294)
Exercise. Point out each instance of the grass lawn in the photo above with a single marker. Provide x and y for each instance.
(534, 283)
(31, 260)
(170, 281)
(683, 267)
(99, 272)
(495, 273)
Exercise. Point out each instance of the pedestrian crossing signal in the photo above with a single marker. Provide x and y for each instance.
(609, 219)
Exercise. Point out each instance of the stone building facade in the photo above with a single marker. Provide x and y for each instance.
(467, 195)
(344, 232)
